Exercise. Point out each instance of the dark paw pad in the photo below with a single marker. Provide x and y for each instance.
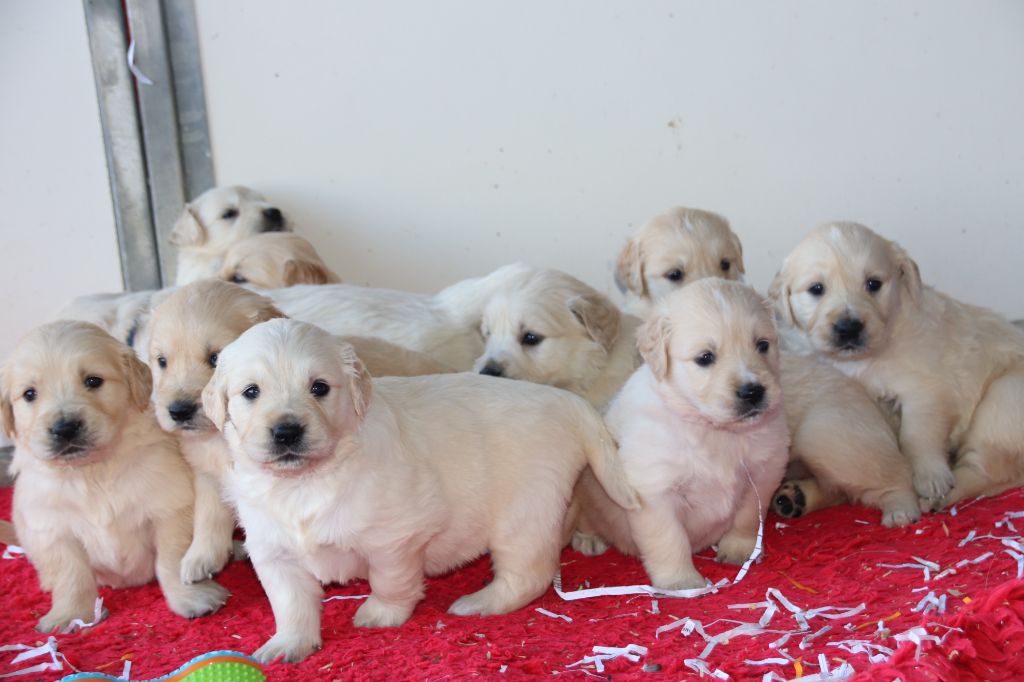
(789, 501)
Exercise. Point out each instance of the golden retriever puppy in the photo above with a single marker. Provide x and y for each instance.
(445, 326)
(212, 222)
(674, 248)
(338, 476)
(556, 330)
(102, 495)
(956, 371)
(702, 434)
(275, 260)
(125, 316)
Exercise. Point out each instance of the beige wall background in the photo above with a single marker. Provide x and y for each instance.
(418, 143)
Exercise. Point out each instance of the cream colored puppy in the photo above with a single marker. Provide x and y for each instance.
(102, 495)
(125, 316)
(275, 260)
(445, 326)
(338, 476)
(955, 370)
(556, 330)
(674, 248)
(702, 434)
(215, 220)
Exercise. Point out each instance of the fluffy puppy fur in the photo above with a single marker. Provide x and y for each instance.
(338, 476)
(124, 316)
(275, 260)
(702, 435)
(445, 326)
(102, 495)
(673, 248)
(212, 222)
(956, 371)
(554, 329)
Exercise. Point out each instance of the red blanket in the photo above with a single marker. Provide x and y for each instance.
(831, 558)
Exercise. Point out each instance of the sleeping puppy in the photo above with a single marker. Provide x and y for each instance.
(702, 435)
(125, 316)
(956, 371)
(275, 260)
(445, 326)
(212, 222)
(187, 332)
(337, 476)
(102, 495)
(673, 248)
(556, 330)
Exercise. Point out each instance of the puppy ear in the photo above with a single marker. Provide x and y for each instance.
(264, 310)
(138, 377)
(6, 407)
(215, 399)
(629, 273)
(778, 293)
(599, 316)
(652, 341)
(736, 244)
(188, 231)
(305, 272)
(910, 274)
(360, 383)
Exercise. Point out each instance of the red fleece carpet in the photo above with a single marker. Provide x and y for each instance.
(827, 559)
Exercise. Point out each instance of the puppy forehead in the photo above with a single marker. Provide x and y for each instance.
(281, 350)
(60, 351)
(843, 248)
(719, 310)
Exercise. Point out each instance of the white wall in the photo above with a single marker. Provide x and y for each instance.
(417, 143)
(57, 237)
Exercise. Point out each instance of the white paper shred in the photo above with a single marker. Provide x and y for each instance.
(631, 652)
(126, 673)
(918, 635)
(866, 647)
(98, 614)
(931, 603)
(136, 71)
(552, 614)
(346, 596)
(654, 607)
(1020, 561)
(699, 665)
(49, 648)
(968, 539)
(768, 661)
(13, 552)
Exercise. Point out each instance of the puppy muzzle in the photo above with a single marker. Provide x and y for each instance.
(69, 438)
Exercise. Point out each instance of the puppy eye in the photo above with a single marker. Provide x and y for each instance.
(725, 265)
(251, 392)
(162, 362)
(816, 289)
(319, 389)
(213, 359)
(705, 359)
(531, 339)
(29, 395)
(93, 382)
(238, 279)
(675, 275)
(229, 214)
(763, 346)
(873, 284)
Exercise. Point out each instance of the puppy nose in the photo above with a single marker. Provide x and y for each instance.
(493, 369)
(288, 433)
(752, 394)
(848, 329)
(274, 217)
(181, 410)
(66, 429)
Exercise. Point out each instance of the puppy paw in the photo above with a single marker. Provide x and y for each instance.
(293, 648)
(58, 621)
(735, 549)
(932, 479)
(202, 562)
(683, 580)
(591, 545)
(897, 517)
(375, 613)
(197, 599)
(789, 500)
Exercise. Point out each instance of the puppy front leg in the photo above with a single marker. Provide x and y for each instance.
(924, 439)
(211, 538)
(296, 599)
(739, 541)
(173, 535)
(664, 547)
(396, 586)
(64, 569)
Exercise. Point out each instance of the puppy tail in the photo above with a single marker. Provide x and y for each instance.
(603, 458)
(465, 300)
(7, 534)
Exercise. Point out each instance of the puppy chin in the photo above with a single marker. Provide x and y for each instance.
(288, 464)
(196, 427)
(77, 453)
